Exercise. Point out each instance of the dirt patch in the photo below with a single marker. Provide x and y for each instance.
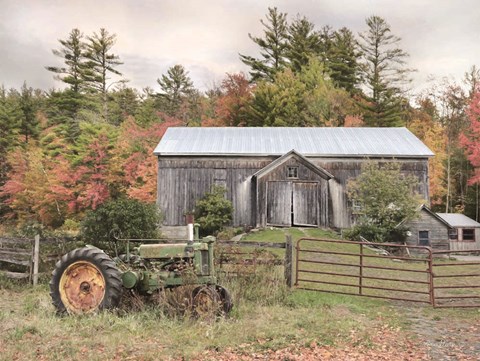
(446, 338)
(383, 343)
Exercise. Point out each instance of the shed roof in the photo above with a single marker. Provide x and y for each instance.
(327, 142)
(459, 220)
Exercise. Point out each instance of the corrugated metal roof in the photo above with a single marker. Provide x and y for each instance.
(395, 142)
(458, 220)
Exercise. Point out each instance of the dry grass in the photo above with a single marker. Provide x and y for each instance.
(266, 316)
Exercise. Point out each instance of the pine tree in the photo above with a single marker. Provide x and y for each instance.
(10, 117)
(71, 73)
(100, 64)
(176, 87)
(384, 73)
(72, 53)
(343, 63)
(273, 47)
(29, 104)
(326, 43)
(303, 43)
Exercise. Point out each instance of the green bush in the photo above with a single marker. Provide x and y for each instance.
(213, 211)
(386, 198)
(122, 218)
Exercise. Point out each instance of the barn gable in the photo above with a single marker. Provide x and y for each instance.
(298, 159)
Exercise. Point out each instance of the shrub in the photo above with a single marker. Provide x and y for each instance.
(213, 211)
(124, 218)
(386, 198)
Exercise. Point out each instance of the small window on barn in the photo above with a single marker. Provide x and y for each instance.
(452, 234)
(292, 172)
(357, 206)
(469, 234)
(423, 238)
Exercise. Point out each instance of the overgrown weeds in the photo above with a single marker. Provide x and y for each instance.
(266, 315)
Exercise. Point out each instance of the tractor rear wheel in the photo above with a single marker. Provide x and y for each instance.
(85, 280)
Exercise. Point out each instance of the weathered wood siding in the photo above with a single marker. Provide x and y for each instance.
(305, 203)
(183, 180)
(459, 245)
(279, 203)
(346, 169)
(315, 210)
(437, 231)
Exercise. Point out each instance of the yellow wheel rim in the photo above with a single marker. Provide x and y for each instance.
(82, 287)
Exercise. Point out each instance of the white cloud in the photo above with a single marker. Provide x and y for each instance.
(206, 36)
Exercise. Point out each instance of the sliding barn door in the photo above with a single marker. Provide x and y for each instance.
(279, 203)
(305, 204)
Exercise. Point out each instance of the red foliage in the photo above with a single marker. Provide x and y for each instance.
(231, 106)
(139, 166)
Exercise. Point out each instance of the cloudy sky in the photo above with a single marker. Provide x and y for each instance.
(206, 36)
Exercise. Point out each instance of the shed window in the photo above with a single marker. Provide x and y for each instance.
(292, 172)
(423, 238)
(452, 234)
(469, 234)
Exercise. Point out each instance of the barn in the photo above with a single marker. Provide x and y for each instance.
(278, 176)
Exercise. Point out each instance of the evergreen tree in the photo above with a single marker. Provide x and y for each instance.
(343, 64)
(273, 47)
(176, 87)
(62, 109)
(299, 99)
(29, 104)
(72, 53)
(10, 120)
(71, 73)
(100, 63)
(10, 117)
(123, 102)
(146, 112)
(384, 73)
(303, 43)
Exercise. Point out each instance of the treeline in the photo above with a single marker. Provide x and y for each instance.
(65, 151)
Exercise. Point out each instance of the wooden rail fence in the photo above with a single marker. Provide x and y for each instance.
(22, 253)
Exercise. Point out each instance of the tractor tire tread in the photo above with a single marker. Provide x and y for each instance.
(111, 275)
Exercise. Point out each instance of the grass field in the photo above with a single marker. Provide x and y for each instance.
(267, 316)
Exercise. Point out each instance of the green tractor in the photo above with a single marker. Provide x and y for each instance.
(87, 280)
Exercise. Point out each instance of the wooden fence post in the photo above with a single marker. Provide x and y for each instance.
(36, 258)
(288, 260)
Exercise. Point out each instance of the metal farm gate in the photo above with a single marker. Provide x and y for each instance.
(387, 271)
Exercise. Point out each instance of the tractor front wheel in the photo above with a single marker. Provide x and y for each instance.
(85, 280)
(211, 301)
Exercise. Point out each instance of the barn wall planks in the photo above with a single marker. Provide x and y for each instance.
(182, 180)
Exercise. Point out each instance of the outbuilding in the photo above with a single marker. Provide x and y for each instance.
(278, 176)
(464, 233)
(428, 229)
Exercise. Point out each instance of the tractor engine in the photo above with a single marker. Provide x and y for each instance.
(168, 265)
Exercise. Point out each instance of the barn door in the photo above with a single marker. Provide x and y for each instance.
(305, 204)
(279, 203)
